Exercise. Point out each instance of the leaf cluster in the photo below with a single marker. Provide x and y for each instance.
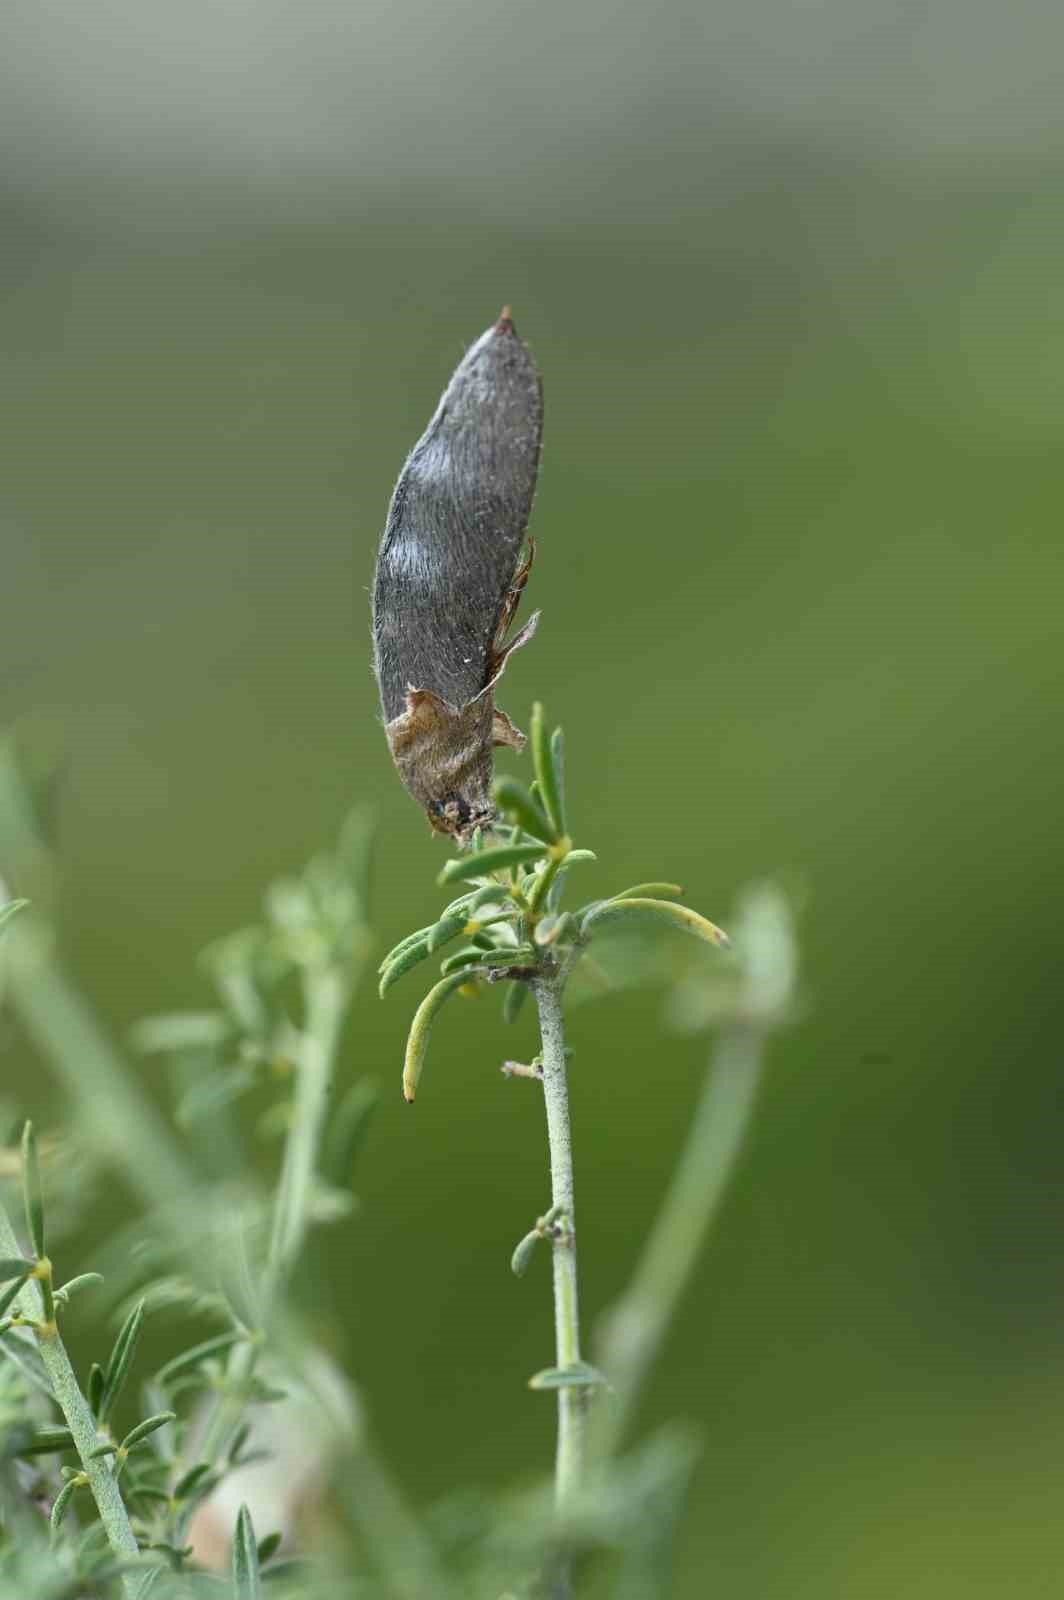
(512, 914)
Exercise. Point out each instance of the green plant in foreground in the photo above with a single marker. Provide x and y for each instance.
(102, 1475)
(213, 1247)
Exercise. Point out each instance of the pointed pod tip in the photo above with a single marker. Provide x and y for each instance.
(505, 322)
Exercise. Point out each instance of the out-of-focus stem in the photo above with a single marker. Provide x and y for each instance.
(122, 1124)
(78, 1417)
(327, 992)
(636, 1326)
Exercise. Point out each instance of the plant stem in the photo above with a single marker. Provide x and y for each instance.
(636, 1326)
(327, 993)
(572, 1403)
(119, 1121)
(78, 1418)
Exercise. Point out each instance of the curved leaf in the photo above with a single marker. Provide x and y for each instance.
(503, 855)
(517, 805)
(655, 891)
(10, 909)
(421, 1027)
(663, 911)
(411, 957)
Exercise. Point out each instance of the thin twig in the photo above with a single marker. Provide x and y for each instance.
(78, 1417)
(327, 993)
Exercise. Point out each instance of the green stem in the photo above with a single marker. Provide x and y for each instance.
(327, 993)
(572, 1403)
(119, 1121)
(78, 1418)
(635, 1327)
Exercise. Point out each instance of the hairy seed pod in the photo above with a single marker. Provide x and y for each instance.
(449, 577)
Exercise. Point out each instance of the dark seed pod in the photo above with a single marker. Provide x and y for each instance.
(449, 577)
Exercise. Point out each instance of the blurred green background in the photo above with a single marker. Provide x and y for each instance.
(793, 275)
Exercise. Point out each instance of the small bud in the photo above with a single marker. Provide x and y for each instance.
(522, 1256)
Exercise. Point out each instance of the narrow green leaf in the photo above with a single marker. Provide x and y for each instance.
(673, 916)
(189, 1359)
(62, 1500)
(540, 886)
(347, 1131)
(240, 1439)
(421, 1027)
(517, 805)
(177, 1555)
(522, 955)
(654, 891)
(579, 1375)
(472, 957)
(516, 995)
(503, 855)
(11, 1294)
(486, 894)
(11, 909)
(14, 1267)
(95, 1388)
(404, 945)
(45, 1441)
(31, 1189)
(192, 1479)
(576, 856)
(522, 1256)
(180, 1030)
(546, 773)
(448, 928)
(125, 1347)
(269, 1547)
(557, 756)
(411, 957)
(151, 1579)
(246, 1582)
(149, 1425)
(73, 1286)
(101, 1450)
